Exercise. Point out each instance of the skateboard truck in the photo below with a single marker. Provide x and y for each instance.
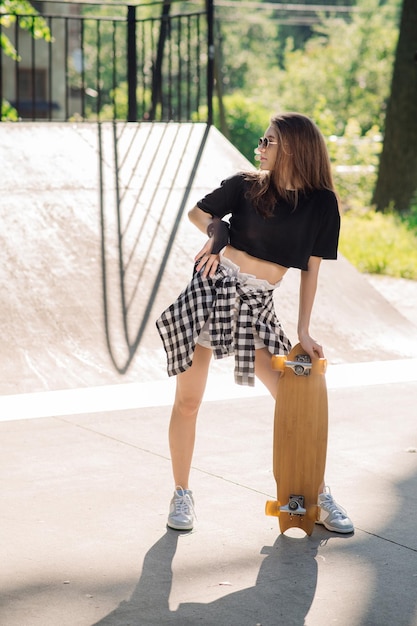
(295, 506)
(295, 509)
(301, 366)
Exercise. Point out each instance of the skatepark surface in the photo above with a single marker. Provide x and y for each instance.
(85, 402)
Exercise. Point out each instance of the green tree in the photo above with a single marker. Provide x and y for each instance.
(104, 58)
(344, 69)
(161, 50)
(157, 68)
(28, 19)
(340, 79)
(246, 120)
(247, 49)
(397, 177)
(297, 24)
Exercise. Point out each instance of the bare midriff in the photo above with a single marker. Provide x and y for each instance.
(265, 270)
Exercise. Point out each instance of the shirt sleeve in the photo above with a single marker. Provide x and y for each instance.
(222, 200)
(327, 240)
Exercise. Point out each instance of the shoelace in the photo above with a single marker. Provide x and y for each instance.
(184, 504)
(332, 507)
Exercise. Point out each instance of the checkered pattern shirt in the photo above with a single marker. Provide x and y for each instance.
(216, 299)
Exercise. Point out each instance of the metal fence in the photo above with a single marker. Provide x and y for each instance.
(77, 61)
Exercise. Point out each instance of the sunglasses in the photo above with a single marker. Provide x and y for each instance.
(264, 142)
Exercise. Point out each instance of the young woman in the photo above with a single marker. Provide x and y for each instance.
(284, 215)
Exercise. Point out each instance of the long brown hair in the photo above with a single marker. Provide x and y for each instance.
(302, 159)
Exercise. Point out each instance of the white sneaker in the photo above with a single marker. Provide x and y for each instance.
(332, 515)
(181, 511)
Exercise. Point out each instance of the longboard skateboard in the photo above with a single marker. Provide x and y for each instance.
(300, 439)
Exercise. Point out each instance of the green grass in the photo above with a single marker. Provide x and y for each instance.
(381, 243)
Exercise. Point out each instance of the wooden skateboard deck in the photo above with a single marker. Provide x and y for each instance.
(300, 439)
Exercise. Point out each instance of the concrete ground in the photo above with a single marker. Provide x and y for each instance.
(86, 478)
(85, 499)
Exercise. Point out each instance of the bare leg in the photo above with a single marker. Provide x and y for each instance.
(189, 394)
(264, 371)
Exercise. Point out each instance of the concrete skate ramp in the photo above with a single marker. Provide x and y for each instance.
(95, 243)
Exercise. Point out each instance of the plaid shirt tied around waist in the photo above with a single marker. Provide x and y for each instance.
(216, 299)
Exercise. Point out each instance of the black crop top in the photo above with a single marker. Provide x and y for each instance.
(290, 236)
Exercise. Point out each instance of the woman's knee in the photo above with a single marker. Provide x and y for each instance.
(187, 405)
(191, 384)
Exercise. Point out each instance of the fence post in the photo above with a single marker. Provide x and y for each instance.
(210, 59)
(1, 77)
(132, 111)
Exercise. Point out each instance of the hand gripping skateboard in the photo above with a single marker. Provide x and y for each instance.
(300, 439)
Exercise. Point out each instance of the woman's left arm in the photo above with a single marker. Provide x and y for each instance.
(308, 287)
(207, 261)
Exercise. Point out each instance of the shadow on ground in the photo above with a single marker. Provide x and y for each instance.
(284, 590)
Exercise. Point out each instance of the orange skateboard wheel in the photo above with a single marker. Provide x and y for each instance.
(278, 362)
(322, 366)
(272, 507)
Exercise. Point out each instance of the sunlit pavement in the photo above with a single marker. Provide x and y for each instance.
(161, 393)
(86, 487)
